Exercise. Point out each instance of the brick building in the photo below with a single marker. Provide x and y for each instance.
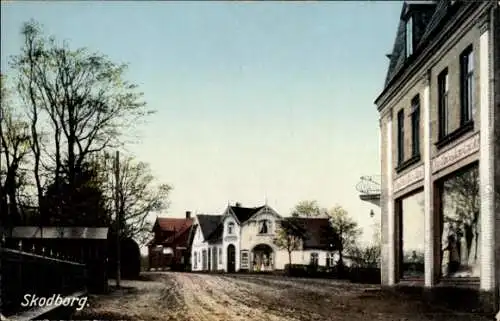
(170, 247)
(440, 148)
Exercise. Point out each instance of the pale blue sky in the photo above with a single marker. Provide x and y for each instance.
(253, 98)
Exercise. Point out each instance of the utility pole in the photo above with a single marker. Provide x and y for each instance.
(118, 217)
(2, 215)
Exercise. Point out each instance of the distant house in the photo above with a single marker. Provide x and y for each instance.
(242, 239)
(170, 246)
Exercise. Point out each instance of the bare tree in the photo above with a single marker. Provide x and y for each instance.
(346, 229)
(464, 208)
(14, 142)
(289, 237)
(139, 196)
(78, 104)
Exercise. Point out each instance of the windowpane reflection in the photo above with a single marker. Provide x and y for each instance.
(460, 228)
(413, 236)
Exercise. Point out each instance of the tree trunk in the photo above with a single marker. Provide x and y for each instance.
(289, 262)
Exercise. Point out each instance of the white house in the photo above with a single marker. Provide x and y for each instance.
(242, 238)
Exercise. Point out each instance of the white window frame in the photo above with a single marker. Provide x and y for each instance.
(230, 228)
(314, 258)
(330, 259)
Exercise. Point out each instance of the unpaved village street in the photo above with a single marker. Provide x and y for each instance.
(212, 297)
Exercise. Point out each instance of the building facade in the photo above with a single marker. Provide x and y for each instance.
(242, 239)
(440, 147)
(170, 246)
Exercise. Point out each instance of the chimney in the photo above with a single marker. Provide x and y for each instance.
(238, 204)
(188, 214)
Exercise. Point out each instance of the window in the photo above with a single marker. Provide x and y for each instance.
(461, 228)
(264, 227)
(195, 260)
(314, 259)
(244, 260)
(409, 37)
(220, 255)
(415, 125)
(410, 217)
(330, 259)
(401, 136)
(230, 228)
(443, 109)
(467, 85)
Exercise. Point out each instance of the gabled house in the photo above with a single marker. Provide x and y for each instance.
(206, 249)
(170, 246)
(440, 148)
(242, 239)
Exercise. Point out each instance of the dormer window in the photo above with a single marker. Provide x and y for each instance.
(264, 227)
(230, 228)
(409, 36)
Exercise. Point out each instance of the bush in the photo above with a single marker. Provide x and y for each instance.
(365, 275)
(311, 271)
(130, 259)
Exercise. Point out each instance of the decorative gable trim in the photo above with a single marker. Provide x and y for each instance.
(266, 209)
(229, 212)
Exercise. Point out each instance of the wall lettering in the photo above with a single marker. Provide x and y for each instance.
(455, 154)
(409, 178)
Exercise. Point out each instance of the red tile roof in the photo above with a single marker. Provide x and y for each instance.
(179, 226)
(173, 224)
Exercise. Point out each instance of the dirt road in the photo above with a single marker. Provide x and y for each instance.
(204, 297)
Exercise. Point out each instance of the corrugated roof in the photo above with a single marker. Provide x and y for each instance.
(28, 232)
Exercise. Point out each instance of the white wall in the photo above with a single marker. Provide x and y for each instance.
(250, 236)
(198, 246)
(231, 239)
(301, 257)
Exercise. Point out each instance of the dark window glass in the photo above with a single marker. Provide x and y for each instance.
(443, 108)
(415, 125)
(264, 227)
(314, 258)
(401, 129)
(467, 85)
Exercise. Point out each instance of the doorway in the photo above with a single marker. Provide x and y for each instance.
(231, 258)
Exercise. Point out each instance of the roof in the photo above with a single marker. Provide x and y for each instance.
(216, 236)
(179, 229)
(429, 19)
(244, 213)
(208, 223)
(319, 233)
(169, 224)
(426, 17)
(180, 238)
(29, 232)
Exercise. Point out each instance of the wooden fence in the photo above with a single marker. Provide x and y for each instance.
(37, 274)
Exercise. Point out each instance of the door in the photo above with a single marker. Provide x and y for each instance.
(231, 258)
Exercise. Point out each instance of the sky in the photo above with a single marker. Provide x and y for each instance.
(254, 100)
